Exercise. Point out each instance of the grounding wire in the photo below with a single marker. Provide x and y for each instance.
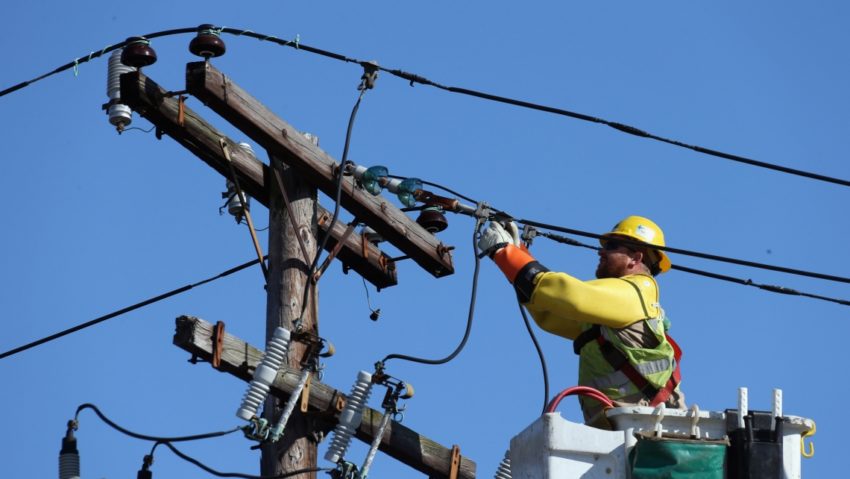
(469, 318)
(214, 472)
(708, 274)
(414, 78)
(539, 355)
(724, 259)
(113, 314)
(110, 423)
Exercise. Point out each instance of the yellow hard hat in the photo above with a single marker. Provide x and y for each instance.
(642, 230)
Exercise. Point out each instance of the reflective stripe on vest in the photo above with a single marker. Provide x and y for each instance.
(614, 380)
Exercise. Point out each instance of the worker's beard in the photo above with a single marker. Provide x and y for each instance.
(603, 271)
(609, 269)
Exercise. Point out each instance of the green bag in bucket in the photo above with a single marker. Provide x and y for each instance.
(669, 457)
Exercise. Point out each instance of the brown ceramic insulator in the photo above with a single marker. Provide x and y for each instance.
(138, 53)
(207, 43)
(432, 220)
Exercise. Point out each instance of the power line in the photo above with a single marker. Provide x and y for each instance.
(195, 437)
(415, 78)
(214, 472)
(713, 257)
(145, 437)
(136, 306)
(501, 215)
(470, 316)
(743, 282)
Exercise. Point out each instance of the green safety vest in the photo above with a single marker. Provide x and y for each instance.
(602, 348)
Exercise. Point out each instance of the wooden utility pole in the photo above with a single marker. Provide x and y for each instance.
(285, 292)
(306, 168)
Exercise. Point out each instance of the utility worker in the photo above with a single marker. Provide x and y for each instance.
(615, 321)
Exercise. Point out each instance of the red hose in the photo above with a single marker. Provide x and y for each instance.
(581, 391)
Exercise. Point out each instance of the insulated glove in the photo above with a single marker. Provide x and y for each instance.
(497, 236)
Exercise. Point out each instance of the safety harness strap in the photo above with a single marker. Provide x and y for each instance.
(619, 362)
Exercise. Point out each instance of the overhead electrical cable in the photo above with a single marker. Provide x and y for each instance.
(502, 215)
(539, 354)
(713, 257)
(136, 306)
(337, 197)
(214, 472)
(414, 78)
(744, 282)
(469, 318)
(766, 287)
(145, 437)
(166, 441)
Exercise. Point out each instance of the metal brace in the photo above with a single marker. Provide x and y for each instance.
(218, 343)
(318, 274)
(455, 464)
(181, 110)
(289, 211)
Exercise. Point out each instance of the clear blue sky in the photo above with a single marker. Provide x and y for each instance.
(95, 221)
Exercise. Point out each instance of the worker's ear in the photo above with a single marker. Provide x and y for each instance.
(637, 257)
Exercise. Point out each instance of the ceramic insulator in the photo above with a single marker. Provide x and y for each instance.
(350, 417)
(119, 113)
(504, 470)
(264, 374)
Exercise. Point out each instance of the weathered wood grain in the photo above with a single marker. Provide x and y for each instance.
(400, 442)
(245, 112)
(151, 101)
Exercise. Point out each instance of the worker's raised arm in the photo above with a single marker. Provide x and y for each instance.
(559, 302)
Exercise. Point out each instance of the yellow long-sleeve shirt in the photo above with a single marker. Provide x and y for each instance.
(560, 303)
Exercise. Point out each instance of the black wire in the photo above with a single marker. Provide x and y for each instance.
(713, 257)
(539, 354)
(744, 282)
(144, 437)
(469, 317)
(765, 287)
(214, 472)
(414, 78)
(368, 300)
(126, 310)
(337, 201)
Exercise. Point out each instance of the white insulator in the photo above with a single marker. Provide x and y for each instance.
(69, 466)
(312, 138)
(350, 417)
(248, 148)
(234, 205)
(264, 374)
(504, 470)
(120, 115)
